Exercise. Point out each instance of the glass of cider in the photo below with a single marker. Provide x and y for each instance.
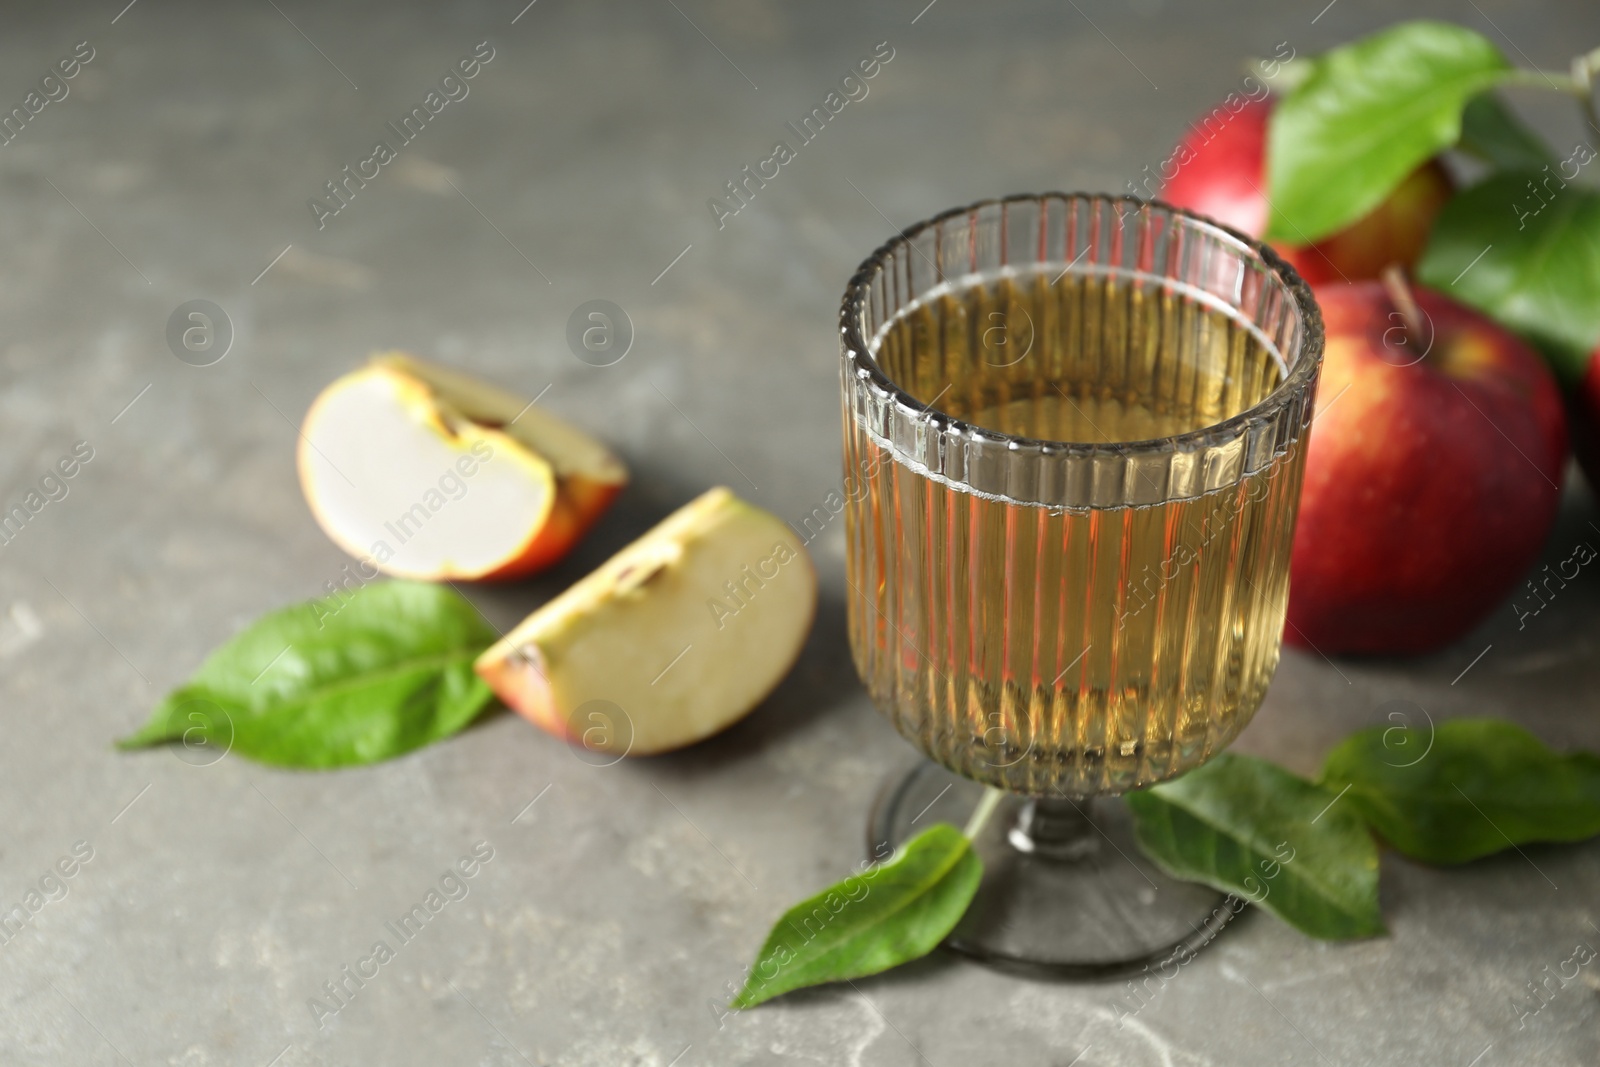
(1074, 432)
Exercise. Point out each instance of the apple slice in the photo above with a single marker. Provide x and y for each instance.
(400, 472)
(673, 639)
(588, 474)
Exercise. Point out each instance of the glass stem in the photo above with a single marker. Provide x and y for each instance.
(1056, 827)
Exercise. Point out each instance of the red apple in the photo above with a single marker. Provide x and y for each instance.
(1433, 475)
(1584, 404)
(1221, 172)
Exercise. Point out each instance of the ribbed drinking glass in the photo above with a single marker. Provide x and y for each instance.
(1074, 436)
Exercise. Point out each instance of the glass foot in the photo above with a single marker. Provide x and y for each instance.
(1066, 892)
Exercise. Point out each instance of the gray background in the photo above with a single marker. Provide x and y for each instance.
(618, 907)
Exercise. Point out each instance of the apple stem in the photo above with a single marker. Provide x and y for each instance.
(1583, 68)
(1405, 302)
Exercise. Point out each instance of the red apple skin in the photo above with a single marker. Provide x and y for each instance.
(1585, 410)
(1221, 172)
(520, 683)
(578, 505)
(1430, 485)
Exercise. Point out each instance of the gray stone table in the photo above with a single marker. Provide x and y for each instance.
(614, 911)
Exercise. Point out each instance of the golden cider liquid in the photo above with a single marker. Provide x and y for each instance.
(1069, 650)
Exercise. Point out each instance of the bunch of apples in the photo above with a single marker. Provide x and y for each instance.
(423, 472)
(1440, 439)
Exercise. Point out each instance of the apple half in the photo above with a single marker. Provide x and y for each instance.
(676, 637)
(431, 474)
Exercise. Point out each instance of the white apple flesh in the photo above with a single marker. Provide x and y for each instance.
(431, 474)
(679, 635)
(583, 466)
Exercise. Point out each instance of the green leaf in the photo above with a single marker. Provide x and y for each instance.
(1490, 131)
(1246, 826)
(349, 679)
(1369, 114)
(1481, 786)
(1539, 271)
(870, 922)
